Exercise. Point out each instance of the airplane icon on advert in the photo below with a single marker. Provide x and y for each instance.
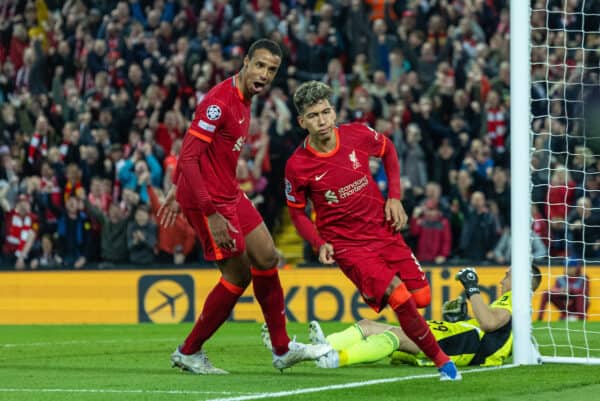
(169, 301)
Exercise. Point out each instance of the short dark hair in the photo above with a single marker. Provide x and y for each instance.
(142, 208)
(267, 44)
(536, 277)
(311, 93)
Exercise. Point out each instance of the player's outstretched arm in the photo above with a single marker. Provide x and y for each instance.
(489, 319)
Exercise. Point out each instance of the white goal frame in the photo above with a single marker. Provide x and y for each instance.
(524, 351)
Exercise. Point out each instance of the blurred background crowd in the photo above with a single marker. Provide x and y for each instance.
(95, 97)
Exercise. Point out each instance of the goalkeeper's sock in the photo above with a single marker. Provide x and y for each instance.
(415, 326)
(372, 349)
(346, 338)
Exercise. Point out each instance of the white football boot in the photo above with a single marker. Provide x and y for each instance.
(197, 363)
(299, 352)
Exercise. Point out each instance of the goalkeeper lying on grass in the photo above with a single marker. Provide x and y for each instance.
(485, 340)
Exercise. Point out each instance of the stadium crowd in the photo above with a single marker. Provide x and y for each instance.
(95, 97)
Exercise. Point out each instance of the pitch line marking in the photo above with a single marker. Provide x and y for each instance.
(74, 342)
(111, 391)
(347, 385)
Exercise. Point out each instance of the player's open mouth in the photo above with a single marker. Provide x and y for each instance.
(258, 86)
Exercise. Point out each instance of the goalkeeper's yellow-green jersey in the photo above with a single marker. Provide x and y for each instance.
(465, 342)
(495, 347)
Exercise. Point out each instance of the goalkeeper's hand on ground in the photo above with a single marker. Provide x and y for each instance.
(469, 279)
(455, 310)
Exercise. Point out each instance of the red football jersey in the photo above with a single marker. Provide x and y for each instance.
(346, 199)
(221, 119)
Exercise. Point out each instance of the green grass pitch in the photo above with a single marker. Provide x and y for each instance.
(131, 362)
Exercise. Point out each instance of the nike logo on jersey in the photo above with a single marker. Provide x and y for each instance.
(241, 121)
(318, 177)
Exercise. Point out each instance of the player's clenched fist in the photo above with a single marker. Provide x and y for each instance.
(469, 279)
(326, 254)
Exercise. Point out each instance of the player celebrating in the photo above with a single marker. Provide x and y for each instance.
(355, 226)
(485, 340)
(230, 229)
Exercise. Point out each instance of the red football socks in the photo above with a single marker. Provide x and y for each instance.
(269, 294)
(416, 327)
(216, 310)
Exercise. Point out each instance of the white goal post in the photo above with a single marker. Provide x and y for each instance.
(551, 340)
(524, 352)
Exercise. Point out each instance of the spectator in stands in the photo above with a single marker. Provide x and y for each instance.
(480, 231)
(142, 162)
(501, 253)
(569, 294)
(168, 130)
(47, 257)
(113, 233)
(38, 146)
(21, 227)
(356, 29)
(433, 192)
(460, 196)
(496, 124)
(49, 198)
(141, 237)
(73, 181)
(381, 44)
(85, 80)
(414, 160)
(444, 164)
(73, 235)
(498, 190)
(432, 230)
(559, 197)
(583, 227)
(469, 111)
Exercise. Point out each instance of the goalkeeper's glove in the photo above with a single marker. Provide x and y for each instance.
(468, 278)
(455, 310)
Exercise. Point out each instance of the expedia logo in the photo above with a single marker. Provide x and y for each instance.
(166, 299)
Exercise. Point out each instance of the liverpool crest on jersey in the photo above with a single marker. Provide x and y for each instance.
(354, 160)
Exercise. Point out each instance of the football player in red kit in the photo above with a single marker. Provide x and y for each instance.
(355, 226)
(230, 229)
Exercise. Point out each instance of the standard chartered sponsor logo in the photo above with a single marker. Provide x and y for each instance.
(353, 188)
(330, 196)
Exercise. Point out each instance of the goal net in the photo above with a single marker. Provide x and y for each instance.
(564, 158)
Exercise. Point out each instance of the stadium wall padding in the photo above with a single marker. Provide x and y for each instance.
(173, 296)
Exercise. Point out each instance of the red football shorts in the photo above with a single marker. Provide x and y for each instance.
(243, 216)
(371, 268)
